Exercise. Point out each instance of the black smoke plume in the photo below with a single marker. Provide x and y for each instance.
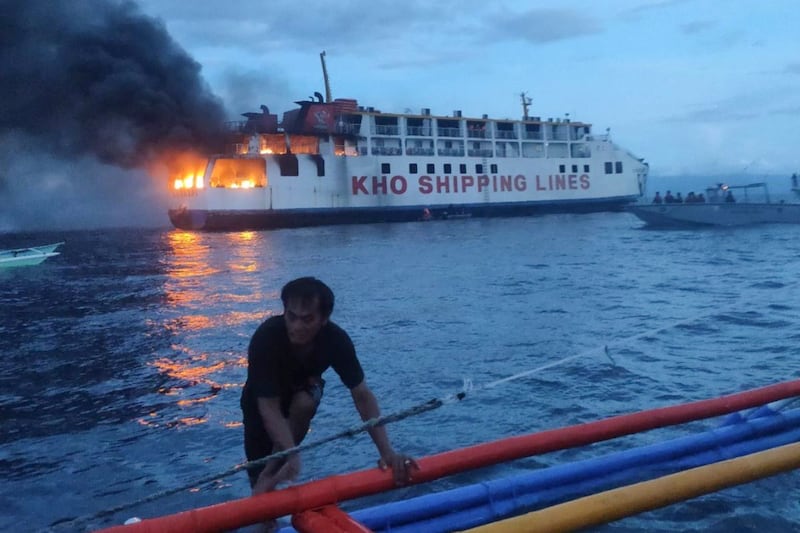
(99, 77)
(92, 92)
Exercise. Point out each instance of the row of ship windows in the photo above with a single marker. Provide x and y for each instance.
(289, 167)
(535, 150)
(611, 167)
(552, 132)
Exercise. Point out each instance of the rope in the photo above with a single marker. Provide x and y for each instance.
(430, 405)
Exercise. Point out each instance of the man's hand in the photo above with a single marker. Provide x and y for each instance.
(289, 471)
(401, 465)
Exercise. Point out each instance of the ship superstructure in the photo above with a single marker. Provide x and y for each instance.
(335, 161)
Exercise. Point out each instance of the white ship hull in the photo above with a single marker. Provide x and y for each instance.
(358, 178)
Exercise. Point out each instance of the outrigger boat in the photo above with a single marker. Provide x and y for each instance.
(758, 437)
(33, 255)
(721, 209)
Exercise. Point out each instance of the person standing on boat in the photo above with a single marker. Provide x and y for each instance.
(287, 356)
(657, 198)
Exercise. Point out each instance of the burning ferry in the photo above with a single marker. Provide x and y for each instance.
(337, 162)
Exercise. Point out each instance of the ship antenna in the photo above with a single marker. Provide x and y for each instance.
(526, 101)
(328, 98)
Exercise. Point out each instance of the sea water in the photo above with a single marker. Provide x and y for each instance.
(123, 358)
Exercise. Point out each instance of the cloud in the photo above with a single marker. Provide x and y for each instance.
(282, 25)
(744, 105)
(785, 111)
(713, 114)
(793, 68)
(654, 6)
(539, 26)
(697, 26)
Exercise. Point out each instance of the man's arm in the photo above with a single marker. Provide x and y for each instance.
(281, 434)
(274, 423)
(367, 406)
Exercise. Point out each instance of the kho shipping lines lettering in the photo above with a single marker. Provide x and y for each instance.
(398, 185)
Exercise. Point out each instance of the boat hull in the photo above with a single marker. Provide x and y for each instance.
(732, 214)
(22, 257)
(255, 219)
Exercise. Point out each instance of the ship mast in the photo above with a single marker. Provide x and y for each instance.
(325, 77)
(526, 101)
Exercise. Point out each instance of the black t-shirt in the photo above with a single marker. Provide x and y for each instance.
(273, 371)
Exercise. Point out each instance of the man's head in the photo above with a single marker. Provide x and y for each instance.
(307, 305)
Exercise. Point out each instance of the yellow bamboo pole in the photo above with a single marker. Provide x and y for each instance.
(626, 501)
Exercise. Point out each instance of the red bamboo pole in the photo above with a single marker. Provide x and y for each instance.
(314, 494)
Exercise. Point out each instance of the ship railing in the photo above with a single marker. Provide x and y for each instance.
(455, 152)
(558, 136)
(418, 131)
(449, 132)
(533, 135)
(478, 134)
(351, 129)
(505, 134)
(386, 150)
(419, 151)
(387, 130)
(479, 153)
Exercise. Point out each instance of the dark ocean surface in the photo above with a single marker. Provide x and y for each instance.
(123, 358)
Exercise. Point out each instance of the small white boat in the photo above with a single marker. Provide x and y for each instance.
(721, 209)
(27, 256)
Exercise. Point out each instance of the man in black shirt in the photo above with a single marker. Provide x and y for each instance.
(286, 359)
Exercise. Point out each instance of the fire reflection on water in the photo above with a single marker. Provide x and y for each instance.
(214, 298)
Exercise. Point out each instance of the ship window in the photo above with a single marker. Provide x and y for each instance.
(562, 168)
(574, 168)
(462, 168)
(586, 168)
(431, 168)
(412, 168)
(618, 168)
(304, 144)
(609, 167)
(448, 168)
(478, 169)
(493, 167)
(288, 164)
(320, 164)
(238, 173)
(386, 168)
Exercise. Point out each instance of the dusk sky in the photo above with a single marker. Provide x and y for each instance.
(693, 86)
(94, 90)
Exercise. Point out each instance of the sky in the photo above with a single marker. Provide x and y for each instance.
(693, 86)
(92, 91)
